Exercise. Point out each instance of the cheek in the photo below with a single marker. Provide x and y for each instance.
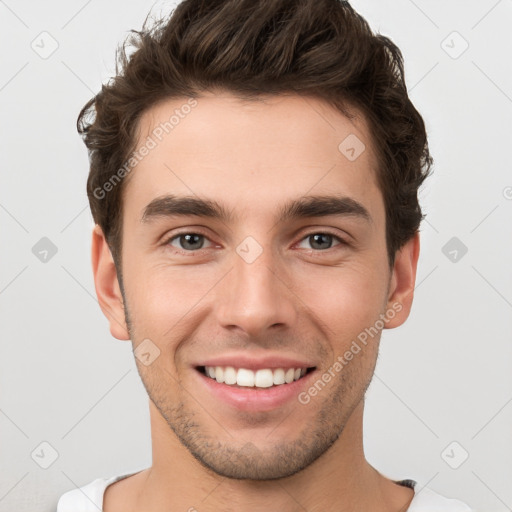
(161, 299)
(347, 300)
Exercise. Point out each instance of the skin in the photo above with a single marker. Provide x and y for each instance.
(296, 299)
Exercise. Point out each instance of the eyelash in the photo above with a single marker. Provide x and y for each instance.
(175, 236)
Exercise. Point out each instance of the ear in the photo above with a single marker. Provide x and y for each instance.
(107, 285)
(402, 282)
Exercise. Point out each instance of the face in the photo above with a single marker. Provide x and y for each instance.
(272, 269)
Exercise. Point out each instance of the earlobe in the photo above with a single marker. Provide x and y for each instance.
(403, 281)
(107, 285)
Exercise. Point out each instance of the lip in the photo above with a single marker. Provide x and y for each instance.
(254, 399)
(255, 363)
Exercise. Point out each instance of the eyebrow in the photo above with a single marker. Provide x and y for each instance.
(303, 207)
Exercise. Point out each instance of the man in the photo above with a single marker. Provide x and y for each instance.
(238, 137)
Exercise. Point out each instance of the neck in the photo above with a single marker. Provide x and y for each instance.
(341, 479)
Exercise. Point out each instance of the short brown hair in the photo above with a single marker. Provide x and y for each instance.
(320, 48)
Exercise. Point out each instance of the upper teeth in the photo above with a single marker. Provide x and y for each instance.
(263, 378)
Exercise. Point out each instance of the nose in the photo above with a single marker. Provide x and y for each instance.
(256, 296)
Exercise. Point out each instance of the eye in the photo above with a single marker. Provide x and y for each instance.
(189, 242)
(322, 241)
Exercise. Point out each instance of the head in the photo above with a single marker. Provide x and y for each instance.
(259, 129)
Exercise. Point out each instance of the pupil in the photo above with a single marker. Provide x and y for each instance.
(187, 241)
(318, 237)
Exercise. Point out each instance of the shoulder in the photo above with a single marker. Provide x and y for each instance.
(86, 498)
(89, 497)
(427, 500)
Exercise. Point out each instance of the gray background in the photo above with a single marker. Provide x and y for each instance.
(443, 377)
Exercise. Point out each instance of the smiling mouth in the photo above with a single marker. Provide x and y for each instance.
(261, 378)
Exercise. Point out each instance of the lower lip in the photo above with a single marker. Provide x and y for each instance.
(256, 399)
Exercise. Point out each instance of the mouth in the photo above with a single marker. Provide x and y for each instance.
(261, 378)
(254, 382)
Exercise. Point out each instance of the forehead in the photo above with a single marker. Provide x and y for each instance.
(251, 154)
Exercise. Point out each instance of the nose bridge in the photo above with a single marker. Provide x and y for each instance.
(255, 296)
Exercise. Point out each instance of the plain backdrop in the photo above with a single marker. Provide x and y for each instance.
(439, 408)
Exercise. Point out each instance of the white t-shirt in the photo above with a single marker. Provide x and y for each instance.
(89, 498)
